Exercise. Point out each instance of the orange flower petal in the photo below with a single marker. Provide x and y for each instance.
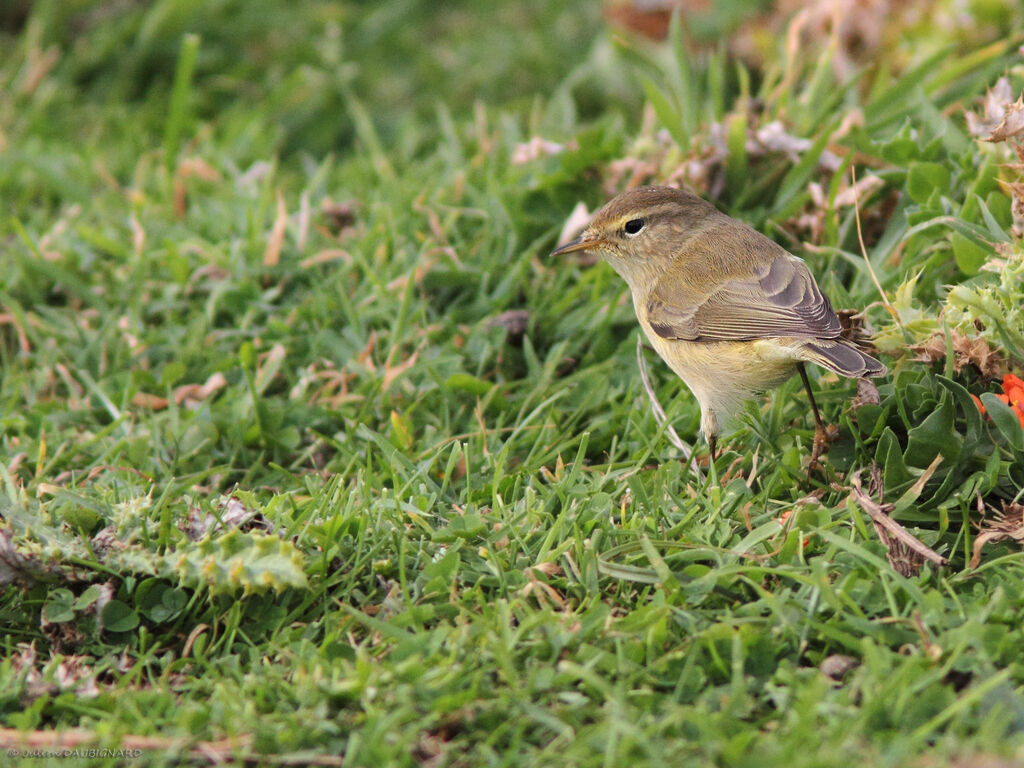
(1014, 388)
(977, 402)
(1019, 410)
(1010, 381)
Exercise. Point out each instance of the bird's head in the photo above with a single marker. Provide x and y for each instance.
(640, 231)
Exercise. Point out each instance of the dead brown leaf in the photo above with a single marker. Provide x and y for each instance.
(190, 167)
(904, 560)
(200, 392)
(331, 385)
(393, 371)
(9, 318)
(1011, 125)
(997, 99)
(365, 355)
(549, 569)
(208, 272)
(854, 30)
(38, 65)
(544, 592)
(59, 675)
(272, 254)
(188, 394)
(326, 256)
(138, 235)
(577, 221)
(1017, 195)
(232, 513)
(967, 351)
(147, 400)
(906, 553)
(867, 394)
(650, 19)
(535, 148)
(398, 285)
(303, 223)
(1007, 524)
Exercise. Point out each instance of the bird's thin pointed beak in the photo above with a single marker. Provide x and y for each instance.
(579, 244)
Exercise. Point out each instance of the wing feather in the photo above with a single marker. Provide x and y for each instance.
(780, 298)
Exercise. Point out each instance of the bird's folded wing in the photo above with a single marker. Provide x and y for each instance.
(780, 299)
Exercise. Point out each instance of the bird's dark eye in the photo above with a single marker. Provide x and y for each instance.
(633, 226)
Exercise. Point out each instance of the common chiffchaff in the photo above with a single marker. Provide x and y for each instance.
(731, 312)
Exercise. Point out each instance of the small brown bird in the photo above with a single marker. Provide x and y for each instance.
(731, 311)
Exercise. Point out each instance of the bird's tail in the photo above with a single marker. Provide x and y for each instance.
(843, 357)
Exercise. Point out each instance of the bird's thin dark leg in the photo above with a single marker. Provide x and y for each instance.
(712, 455)
(822, 437)
(810, 395)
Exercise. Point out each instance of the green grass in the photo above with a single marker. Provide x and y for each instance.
(291, 486)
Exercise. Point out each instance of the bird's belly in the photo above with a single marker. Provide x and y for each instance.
(722, 375)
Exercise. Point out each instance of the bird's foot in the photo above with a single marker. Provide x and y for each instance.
(824, 435)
